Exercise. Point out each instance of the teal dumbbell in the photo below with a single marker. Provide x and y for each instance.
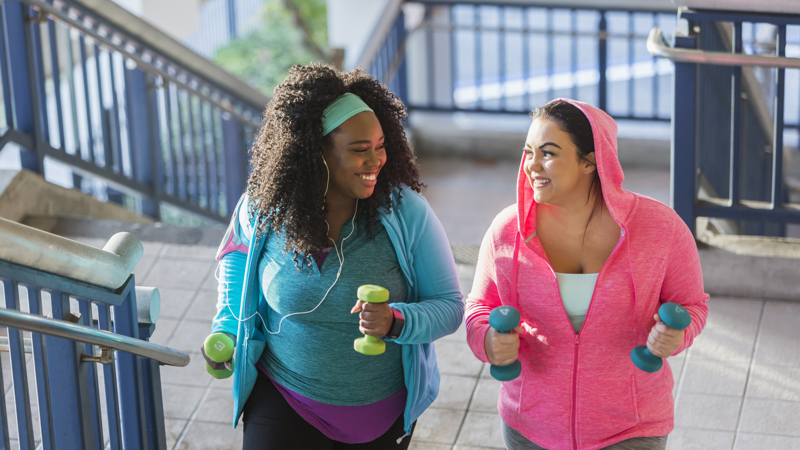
(504, 319)
(370, 345)
(219, 348)
(674, 316)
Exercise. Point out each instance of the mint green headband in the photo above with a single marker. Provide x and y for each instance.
(343, 108)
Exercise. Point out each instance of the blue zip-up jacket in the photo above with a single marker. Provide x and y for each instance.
(433, 309)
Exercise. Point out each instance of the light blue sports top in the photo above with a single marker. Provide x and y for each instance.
(576, 293)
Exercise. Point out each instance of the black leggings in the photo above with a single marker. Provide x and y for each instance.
(270, 423)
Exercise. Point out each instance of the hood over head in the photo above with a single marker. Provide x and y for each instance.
(618, 201)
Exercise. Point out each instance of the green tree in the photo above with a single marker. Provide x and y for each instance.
(291, 32)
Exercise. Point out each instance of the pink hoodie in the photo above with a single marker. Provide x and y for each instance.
(582, 391)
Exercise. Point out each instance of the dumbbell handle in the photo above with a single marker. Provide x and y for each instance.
(370, 345)
(219, 348)
(674, 316)
(504, 319)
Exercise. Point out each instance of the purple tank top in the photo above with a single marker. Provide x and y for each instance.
(348, 424)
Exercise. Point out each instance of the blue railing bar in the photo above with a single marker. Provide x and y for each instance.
(777, 135)
(208, 137)
(523, 111)
(550, 57)
(67, 386)
(110, 384)
(104, 123)
(33, 38)
(187, 130)
(231, 4)
(453, 52)
(478, 55)
(736, 114)
(430, 58)
(204, 154)
(3, 410)
(501, 56)
(194, 165)
(176, 141)
(749, 210)
(87, 101)
(728, 16)
(18, 371)
(631, 59)
(85, 310)
(543, 32)
(40, 369)
(4, 76)
(157, 171)
(644, 6)
(117, 152)
(129, 375)
(573, 54)
(526, 58)
(682, 152)
(56, 74)
(73, 95)
(655, 85)
(33, 277)
(602, 61)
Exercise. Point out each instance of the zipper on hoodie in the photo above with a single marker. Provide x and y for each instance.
(575, 395)
(577, 345)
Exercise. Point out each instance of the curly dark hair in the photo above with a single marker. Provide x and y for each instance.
(287, 185)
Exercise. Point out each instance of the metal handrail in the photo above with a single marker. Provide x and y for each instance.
(252, 95)
(657, 46)
(108, 268)
(62, 329)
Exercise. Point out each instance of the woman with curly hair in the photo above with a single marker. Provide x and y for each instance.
(333, 203)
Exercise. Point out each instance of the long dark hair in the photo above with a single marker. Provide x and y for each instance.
(287, 185)
(574, 122)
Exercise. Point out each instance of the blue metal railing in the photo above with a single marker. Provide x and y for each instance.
(722, 137)
(512, 58)
(82, 93)
(71, 408)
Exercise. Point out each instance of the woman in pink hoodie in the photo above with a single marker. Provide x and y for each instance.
(587, 264)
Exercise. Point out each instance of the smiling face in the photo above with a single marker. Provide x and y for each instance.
(355, 157)
(554, 170)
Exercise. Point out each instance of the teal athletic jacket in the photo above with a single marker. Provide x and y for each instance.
(433, 309)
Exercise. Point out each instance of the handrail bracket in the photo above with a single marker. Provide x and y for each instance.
(106, 356)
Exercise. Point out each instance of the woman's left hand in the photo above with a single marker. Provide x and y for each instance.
(376, 318)
(663, 340)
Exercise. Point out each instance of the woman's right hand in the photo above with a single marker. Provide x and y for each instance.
(502, 349)
(218, 365)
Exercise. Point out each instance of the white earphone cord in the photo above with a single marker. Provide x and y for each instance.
(338, 274)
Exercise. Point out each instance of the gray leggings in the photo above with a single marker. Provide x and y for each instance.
(515, 441)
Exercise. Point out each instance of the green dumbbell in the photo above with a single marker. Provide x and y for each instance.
(219, 348)
(370, 345)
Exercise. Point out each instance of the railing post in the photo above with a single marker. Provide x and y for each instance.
(144, 142)
(153, 398)
(19, 371)
(129, 374)
(68, 400)
(21, 70)
(235, 157)
(683, 172)
(602, 62)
